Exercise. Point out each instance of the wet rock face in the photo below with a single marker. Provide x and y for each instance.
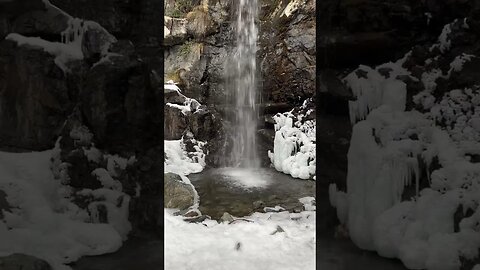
(200, 66)
(175, 31)
(23, 262)
(34, 98)
(119, 104)
(175, 123)
(287, 52)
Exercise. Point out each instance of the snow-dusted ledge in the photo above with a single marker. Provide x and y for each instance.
(72, 37)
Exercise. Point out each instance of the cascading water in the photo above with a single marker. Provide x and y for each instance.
(244, 90)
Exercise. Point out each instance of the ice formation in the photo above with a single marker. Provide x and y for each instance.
(294, 144)
(372, 89)
(392, 149)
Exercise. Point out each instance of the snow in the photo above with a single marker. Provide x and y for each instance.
(308, 203)
(392, 149)
(212, 245)
(177, 160)
(71, 46)
(372, 89)
(294, 145)
(92, 153)
(189, 105)
(382, 160)
(107, 181)
(171, 86)
(183, 163)
(116, 204)
(252, 242)
(292, 6)
(81, 135)
(63, 52)
(42, 222)
(459, 61)
(444, 40)
(429, 17)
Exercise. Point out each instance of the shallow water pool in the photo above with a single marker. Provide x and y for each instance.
(239, 191)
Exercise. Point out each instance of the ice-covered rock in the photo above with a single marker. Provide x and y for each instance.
(411, 162)
(294, 145)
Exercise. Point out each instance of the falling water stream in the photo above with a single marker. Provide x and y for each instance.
(244, 89)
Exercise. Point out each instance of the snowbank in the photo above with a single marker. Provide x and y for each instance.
(45, 224)
(294, 144)
(258, 244)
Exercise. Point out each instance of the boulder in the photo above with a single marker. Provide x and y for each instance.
(185, 64)
(177, 194)
(199, 22)
(226, 217)
(96, 42)
(175, 31)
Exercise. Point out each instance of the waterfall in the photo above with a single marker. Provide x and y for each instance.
(243, 88)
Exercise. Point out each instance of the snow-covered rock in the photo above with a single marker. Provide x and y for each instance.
(413, 177)
(294, 144)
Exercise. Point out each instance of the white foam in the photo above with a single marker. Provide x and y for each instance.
(247, 178)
